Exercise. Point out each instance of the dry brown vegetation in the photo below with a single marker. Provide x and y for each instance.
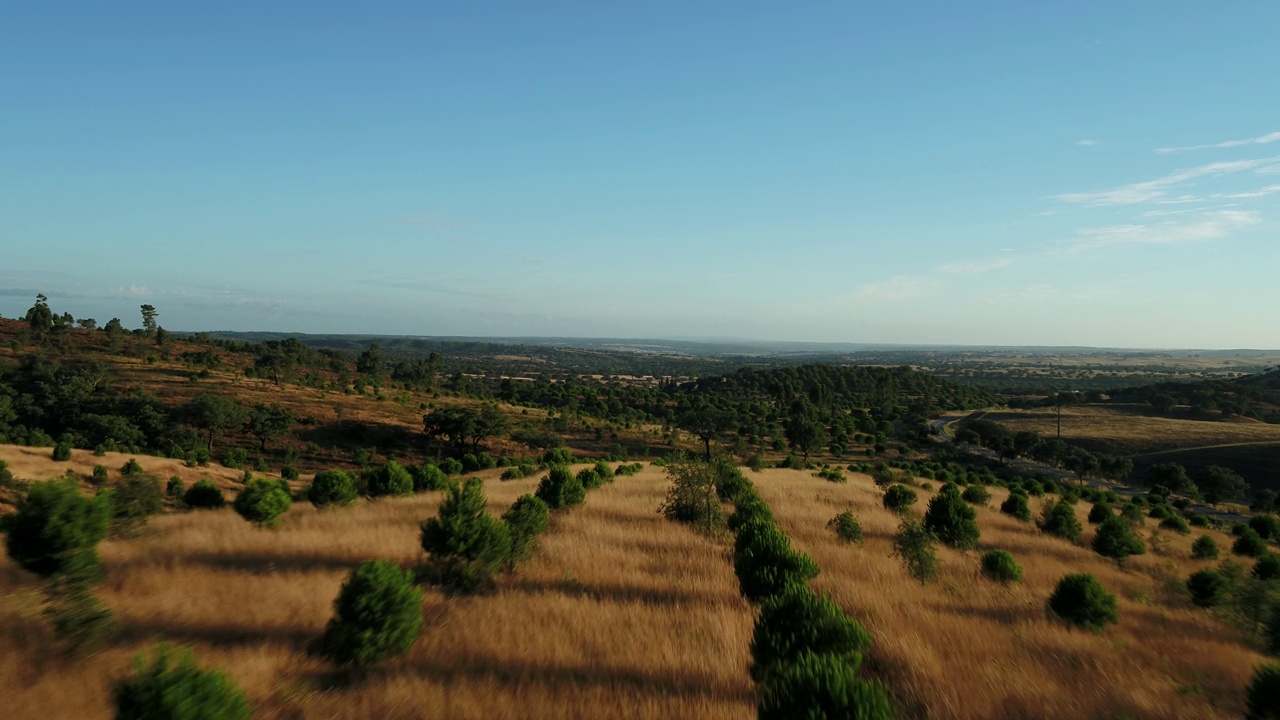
(1134, 429)
(965, 647)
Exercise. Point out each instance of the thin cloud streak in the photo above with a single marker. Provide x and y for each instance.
(1157, 190)
(976, 267)
(1213, 226)
(1261, 140)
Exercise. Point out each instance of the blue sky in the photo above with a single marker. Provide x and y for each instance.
(917, 172)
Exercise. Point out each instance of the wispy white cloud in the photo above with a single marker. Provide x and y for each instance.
(1158, 190)
(976, 267)
(898, 287)
(1260, 140)
(1208, 226)
(1260, 192)
(1088, 143)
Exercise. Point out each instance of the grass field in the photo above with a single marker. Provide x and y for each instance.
(624, 614)
(1134, 429)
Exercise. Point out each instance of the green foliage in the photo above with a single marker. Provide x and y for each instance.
(1176, 524)
(1249, 544)
(1059, 518)
(1262, 697)
(262, 502)
(1208, 588)
(832, 475)
(465, 543)
(99, 476)
(1132, 513)
(914, 546)
(1115, 540)
(1000, 566)
(235, 458)
(1016, 506)
(451, 467)
(693, 496)
(1267, 526)
(204, 495)
(590, 479)
(605, 471)
(798, 620)
(56, 530)
(79, 618)
(389, 480)
(526, 519)
(1267, 567)
(1204, 548)
(1080, 600)
(951, 520)
(289, 472)
(766, 563)
(899, 498)
(846, 527)
(131, 467)
(171, 687)
(332, 487)
(134, 500)
(560, 488)
(377, 614)
(428, 477)
(629, 469)
(61, 452)
(977, 495)
(822, 686)
(175, 487)
(1099, 513)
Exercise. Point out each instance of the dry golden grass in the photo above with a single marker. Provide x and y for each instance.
(965, 647)
(1133, 429)
(620, 614)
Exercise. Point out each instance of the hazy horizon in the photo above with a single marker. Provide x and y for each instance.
(922, 174)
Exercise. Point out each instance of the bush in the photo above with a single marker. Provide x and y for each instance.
(235, 458)
(262, 502)
(78, 617)
(203, 495)
(1208, 588)
(133, 501)
(1267, 526)
(821, 686)
(1161, 512)
(590, 479)
(1267, 567)
(175, 487)
(951, 520)
(56, 530)
(173, 688)
(451, 467)
(428, 477)
(1198, 520)
(914, 547)
(766, 563)
(1176, 524)
(605, 471)
(1115, 540)
(61, 452)
(1099, 513)
(899, 498)
(1016, 506)
(977, 495)
(131, 467)
(1262, 697)
(99, 476)
(1204, 548)
(526, 519)
(560, 489)
(377, 614)
(846, 527)
(832, 475)
(332, 487)
(1080, 600)
(1249, 544)
(1059, 518)
(629, 469)
(389, 480)
(798, 620)
(1000, 566)
(465, 543)
(289, 472)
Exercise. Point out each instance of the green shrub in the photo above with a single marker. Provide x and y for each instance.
(235, 458)
(1116, 540)
(560, 489)
(977, 495)
(61, 452)
(1080, 600)
(1176, 524)
(557, 456)
(1099, 513)
(175, 487)
(590, 479)
(629, 469)
(465, 543)
(262, 502)
(526, 519)
(1249, 543)
(1016, 506)
(134, 500)
(951, 519)
(899, 498)
(428, 477)
(1208, 588)
(451, 467)
(821, 686)
(332, 487)
(78, 617)
(1000, 566)
(1059, 518)
(1204, 548)
(173, 688)
(289, 472)
(846, 527)
(1132, 514)
(799, 620)
(56, 530)
(203, 495)
(1161, 511)
(766, 563)
(605, 471)
(832, 475)
(1262, 697)
(1198, 520)
(914, 547)
(131, 467)
(388, 480)
(1267, 567)
(99, 476)
(1267, 526)
(377, 614)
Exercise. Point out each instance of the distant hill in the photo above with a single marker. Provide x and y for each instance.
(1255, 396)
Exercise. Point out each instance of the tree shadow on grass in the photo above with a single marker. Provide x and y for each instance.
(262, 563)
(621, 593)
(216, 634)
